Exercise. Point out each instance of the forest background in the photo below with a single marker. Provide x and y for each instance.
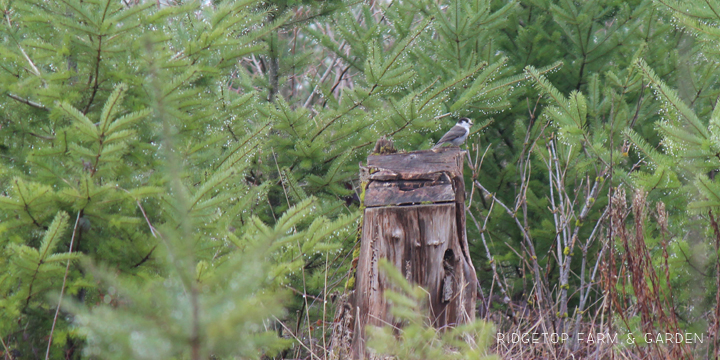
(183, 176)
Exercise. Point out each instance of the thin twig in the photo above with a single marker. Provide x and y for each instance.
(307, 309)
(323, 77)
(32, 65)
(62, 289)
(7, 351)
(327, 257)
(529, 246)
(153, 231)
(281, 179)
(28, 102)
(493, 265)
(293, 335)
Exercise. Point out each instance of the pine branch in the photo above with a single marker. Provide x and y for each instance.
(664, 93)
(53, 233)
(110, 107)
(399, 49)
(28, 102)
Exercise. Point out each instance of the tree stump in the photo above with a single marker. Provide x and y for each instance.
(414, 217)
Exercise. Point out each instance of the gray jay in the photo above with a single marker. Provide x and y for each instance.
(457, 135)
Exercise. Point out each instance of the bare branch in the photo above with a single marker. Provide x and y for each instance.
(28, 102)
(528, 243)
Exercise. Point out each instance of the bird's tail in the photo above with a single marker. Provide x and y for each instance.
(437, 146)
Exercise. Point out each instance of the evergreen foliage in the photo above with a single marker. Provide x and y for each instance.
(179, 179)
(418, 340)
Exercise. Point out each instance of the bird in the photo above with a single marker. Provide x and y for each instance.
(457, 135)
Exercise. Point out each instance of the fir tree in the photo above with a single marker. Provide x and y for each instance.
(167, 165)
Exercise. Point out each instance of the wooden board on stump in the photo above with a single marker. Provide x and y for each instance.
(415, 218)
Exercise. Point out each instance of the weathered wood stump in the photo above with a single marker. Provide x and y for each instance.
(415, 218)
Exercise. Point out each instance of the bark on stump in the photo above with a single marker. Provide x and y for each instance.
(414, 217)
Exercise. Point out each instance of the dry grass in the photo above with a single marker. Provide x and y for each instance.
(631, 293)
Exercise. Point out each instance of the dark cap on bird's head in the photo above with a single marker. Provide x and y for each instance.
(465, 120)
(457, 134)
